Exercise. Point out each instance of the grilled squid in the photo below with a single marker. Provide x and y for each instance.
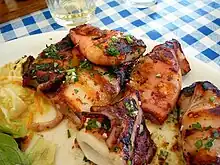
(106, 47)
(199, 106)
(116, 134)
(158, 78)
(43, 126)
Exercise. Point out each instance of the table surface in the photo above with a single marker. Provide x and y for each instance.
(195, 23)
(11, 9)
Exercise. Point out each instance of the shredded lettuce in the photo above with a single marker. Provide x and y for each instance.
(10, 154)
(11, 108)
(17, 107)
(41, 152)
(11, 105)
(14, 128)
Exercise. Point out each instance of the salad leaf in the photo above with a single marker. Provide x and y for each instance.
(11, 108)
(14, 128)
(10, 153)
(11, 105)
(41, 152)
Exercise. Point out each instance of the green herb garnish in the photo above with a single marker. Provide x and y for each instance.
(112, 51)
(129, 39)
(212, 98)
(163, 154)
(43, 66)
(129, 162)
(198, 144)
(197, 126)
(92, 123)
(216, 134)
(207, 128)
(111, 73)
(68, 133)
(209, 144)
(76, 91)
(115, 148)
(71, 75)
(85, 65)
(51, 52)
(114, 39)
(131, 107)
(106, 124)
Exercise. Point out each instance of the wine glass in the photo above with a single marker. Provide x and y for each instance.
(70, 13)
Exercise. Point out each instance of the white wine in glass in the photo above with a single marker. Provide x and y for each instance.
(70, 13)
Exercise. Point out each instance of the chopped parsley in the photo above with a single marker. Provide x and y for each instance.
(43, 66)
(92, 123)
(207, 128)
(112, 51)
(114, 39)
(76, 91)
(115, 148)
(197, 126)
(163, 154)
(68, 133)
(198, 144)
(106, 124)
(131, 106)
(99, 46)
(71, 75)
(212, 98)
(209, 144)
(216, 134)
(110, 72)
(85, 65)
(129, 39)
(33, 71)
(51, 52)
(129, 162)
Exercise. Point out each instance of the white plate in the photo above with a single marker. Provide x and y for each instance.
(32, 45)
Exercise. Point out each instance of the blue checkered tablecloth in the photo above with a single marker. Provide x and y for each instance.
(195, 23)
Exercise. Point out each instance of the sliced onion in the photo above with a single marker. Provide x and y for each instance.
(42, 126)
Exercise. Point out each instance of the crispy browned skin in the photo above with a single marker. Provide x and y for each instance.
(183, 63)
(127, 130)
(45, 73)
(92, 85)
(93, 88)
(95, 45)
(200, 126)
(157, 76)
